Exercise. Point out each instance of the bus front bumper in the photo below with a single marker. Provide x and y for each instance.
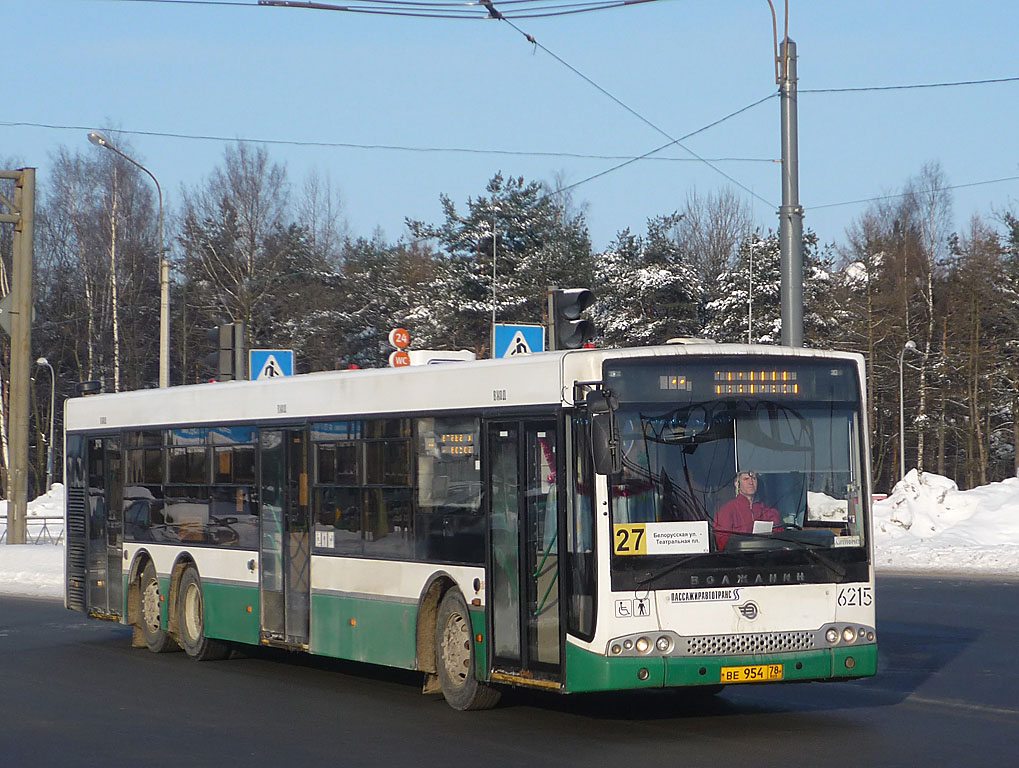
(587, 671)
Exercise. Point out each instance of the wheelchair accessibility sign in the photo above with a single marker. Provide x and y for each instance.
(639, 607)
(270, 363)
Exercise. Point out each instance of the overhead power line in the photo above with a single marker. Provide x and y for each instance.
(386, 147)
(520, 9)
(913, 86)
(485, 9)
(906, 194)
(524, 9)
(480, 10)
(648, 154)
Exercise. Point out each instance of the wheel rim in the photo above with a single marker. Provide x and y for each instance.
(193, 612)
(456, 649)
(150, 606)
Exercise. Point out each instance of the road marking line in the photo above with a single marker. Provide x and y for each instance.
(954, 704)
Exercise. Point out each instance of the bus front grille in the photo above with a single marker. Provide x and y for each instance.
(743, 645)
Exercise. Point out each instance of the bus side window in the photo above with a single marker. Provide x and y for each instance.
(449, 526)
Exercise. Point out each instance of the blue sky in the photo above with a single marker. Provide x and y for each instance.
(318, 76)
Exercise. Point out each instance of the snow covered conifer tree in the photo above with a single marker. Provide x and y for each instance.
(749, 307)
(647, 291)
(536, 245)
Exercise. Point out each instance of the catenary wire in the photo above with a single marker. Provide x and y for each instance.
(487, 10)
(382, 147)
(911, 86)
(672, 141)
(906, 194)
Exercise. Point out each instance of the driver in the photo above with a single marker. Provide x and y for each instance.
(740, 514)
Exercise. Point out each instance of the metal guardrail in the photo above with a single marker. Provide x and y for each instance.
(44, 529)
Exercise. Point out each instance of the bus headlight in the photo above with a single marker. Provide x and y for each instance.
(643, 645)
(663, 644)
(849, 634)
(832, 635)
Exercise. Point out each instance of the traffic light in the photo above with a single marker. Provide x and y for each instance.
(566, 329)
(228, 359)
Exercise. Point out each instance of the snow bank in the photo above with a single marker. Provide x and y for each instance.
(928, 524)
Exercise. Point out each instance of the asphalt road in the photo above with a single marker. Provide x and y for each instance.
(73, 692)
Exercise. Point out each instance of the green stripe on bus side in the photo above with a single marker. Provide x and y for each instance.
(231, 611)
(125, 597)
(586, 671)
(364, 629)
(481, 670)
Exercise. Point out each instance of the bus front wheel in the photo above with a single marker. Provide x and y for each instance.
(455, 659)
(191, 621)
(150, 613)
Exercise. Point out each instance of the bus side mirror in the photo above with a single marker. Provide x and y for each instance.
(608, 459)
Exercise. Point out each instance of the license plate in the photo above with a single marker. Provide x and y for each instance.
(760, 673)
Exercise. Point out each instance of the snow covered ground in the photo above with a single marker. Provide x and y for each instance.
(926, 526)
(35, 569)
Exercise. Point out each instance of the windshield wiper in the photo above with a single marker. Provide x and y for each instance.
(651, 576)
(810, 550)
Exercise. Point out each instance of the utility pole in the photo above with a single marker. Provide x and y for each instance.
(22, 215)
(790, 215)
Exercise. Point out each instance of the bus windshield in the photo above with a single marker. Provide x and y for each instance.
(715, 461)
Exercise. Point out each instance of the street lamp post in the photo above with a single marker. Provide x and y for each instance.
(910, 346)
(100, 140)
(53, 402)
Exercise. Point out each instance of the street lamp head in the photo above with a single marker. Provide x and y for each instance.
(910, 345)
(99, 139)
(42, 361)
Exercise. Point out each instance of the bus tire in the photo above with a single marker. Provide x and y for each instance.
(150, 603)
(191, 621)
(455, 660)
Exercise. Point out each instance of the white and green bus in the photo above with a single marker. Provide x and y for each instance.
(550, 521)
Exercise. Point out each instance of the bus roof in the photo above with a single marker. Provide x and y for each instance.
(543, 379)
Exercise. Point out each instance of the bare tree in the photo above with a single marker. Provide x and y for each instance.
(930, 203)
(320, 210)
(710, 229)
(225, 226)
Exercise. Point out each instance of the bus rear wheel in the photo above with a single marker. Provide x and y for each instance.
(150, 603)
(191, 621)
(455, 660)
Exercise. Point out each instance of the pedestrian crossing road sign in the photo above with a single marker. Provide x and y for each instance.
(270, 363)
(514, 340)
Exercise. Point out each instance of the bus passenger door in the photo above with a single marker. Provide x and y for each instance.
(523, 583)
(105, 591)
(285, 546)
